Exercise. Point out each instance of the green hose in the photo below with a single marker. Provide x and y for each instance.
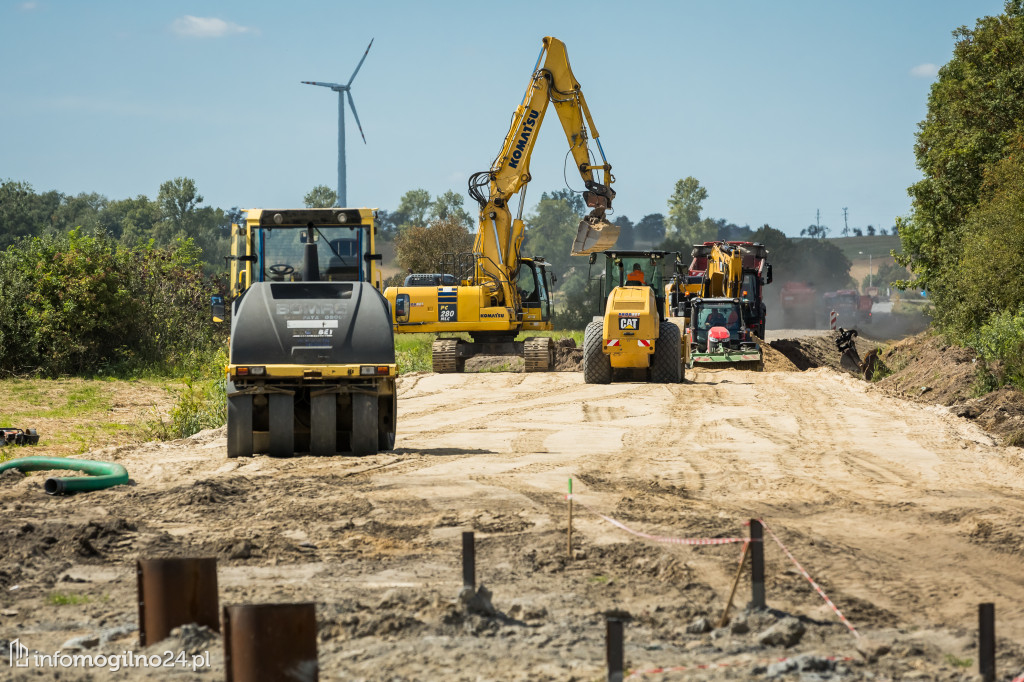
(101, 474)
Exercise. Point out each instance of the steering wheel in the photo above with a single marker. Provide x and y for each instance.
(281, 269)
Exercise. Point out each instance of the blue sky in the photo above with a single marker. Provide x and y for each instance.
(778, 108)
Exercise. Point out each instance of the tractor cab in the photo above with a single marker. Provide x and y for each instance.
(719, 321)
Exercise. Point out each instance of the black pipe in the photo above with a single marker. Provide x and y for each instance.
(310, 262)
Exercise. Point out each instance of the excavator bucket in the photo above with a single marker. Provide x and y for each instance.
(595, 234)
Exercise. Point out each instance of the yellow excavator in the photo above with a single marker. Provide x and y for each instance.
(495, 293)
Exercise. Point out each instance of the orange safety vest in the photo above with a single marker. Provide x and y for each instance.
(635, 276)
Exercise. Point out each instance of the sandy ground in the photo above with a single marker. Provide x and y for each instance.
(905, 515)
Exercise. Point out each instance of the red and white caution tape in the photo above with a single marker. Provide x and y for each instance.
(660, 538)
(811, 581)
(1019, 679)
(725, 664)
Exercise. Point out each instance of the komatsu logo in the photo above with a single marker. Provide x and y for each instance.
(524, 138)
(306, 309)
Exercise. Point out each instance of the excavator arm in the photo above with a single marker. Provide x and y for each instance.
(499, 236)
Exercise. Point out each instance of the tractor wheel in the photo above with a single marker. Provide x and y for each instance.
(597, 367)
(667, 360)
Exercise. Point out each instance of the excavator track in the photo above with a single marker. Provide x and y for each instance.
(444, 356)
(539, 353)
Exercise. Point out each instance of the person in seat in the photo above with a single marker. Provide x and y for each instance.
(636, 276)
(715, 319)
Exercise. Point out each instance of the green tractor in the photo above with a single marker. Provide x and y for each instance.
(720, 335)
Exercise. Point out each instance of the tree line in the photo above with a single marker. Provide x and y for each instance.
(963, 238)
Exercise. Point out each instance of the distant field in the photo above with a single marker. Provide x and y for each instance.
(876, 246)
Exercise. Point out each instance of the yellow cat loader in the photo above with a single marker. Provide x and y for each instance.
(634, 336)
(311, 363)
(498, 293)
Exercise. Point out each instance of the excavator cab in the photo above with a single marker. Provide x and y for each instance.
(534, 281)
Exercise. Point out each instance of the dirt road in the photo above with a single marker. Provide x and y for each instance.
(906, 516)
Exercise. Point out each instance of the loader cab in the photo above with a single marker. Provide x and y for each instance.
(619, 264)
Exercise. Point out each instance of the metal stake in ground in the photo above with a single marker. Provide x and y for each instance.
(614, 648)
(468, 560)
(987, 642)
(757, 596)
(174, 592)
(569, 540)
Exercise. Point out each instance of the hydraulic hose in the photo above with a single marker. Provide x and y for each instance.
(101, 474)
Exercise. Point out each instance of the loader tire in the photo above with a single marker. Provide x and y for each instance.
(667, 359)
(597, 367)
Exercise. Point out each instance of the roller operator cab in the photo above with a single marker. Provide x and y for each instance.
(311, 364)
(633, 332)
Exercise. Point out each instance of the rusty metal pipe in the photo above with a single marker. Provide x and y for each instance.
(270, 643)
(174, 592)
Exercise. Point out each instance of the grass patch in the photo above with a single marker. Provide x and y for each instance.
(959, 662)
(67, 599)
(202, 403)
(413, 351)
(1015, 439)
(500, 367)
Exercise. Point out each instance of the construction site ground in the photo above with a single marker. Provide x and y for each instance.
(906, 514)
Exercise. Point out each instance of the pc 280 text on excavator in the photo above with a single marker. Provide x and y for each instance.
(495, 293)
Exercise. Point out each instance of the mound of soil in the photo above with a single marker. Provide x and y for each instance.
(775, 360)
(568, 358)
(927, 369)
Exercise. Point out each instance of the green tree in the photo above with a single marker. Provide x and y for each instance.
(817, 261)
(25, 213)
(975, 118)
(413, 209)
(683, 226)
(551, 228)
(989, 276)
(321, 196)
(627, 236)
(131, 220)
(649, 231)
(179, 201)
(449, 204)
(419, 248)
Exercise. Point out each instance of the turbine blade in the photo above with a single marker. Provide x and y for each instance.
(360, 64)
(353, 105)
(325, 85)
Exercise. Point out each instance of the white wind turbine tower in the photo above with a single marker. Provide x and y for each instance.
(343, 91)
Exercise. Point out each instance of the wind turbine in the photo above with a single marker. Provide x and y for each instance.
(343, 91)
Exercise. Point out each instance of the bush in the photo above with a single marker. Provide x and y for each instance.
(1000, 342)
(81, 303)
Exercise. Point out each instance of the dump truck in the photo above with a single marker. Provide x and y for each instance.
(797, 301)
(311, 365)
